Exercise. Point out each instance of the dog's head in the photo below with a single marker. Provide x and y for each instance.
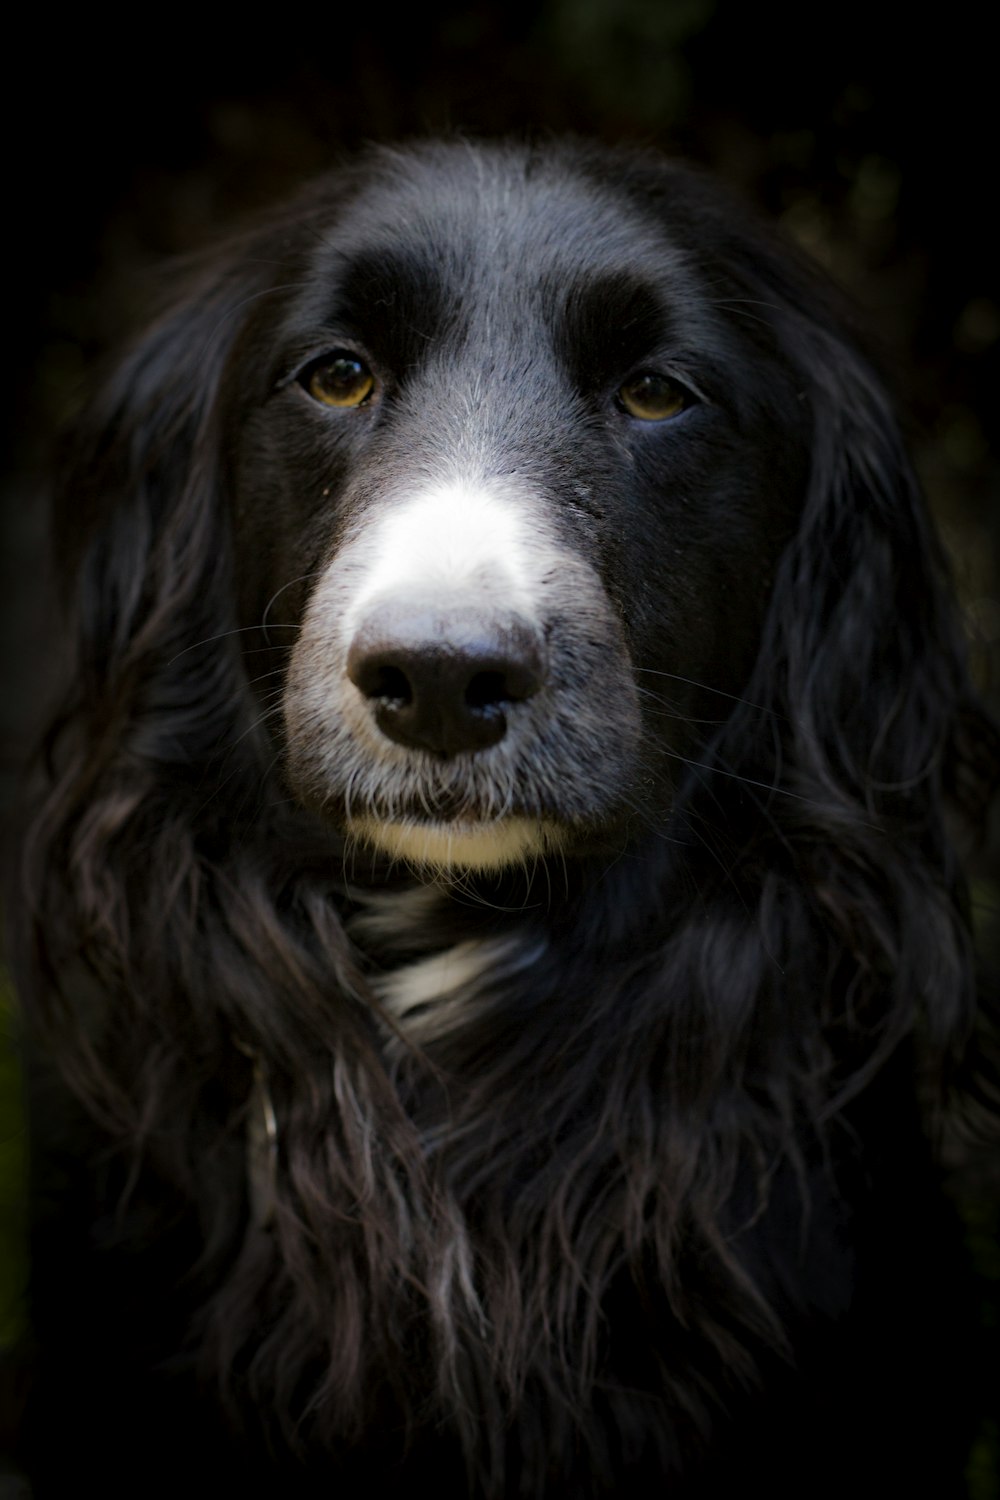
(521, 479)
(522, 474)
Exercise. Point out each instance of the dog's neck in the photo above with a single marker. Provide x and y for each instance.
(430, 977)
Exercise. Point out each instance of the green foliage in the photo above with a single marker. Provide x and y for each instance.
(628, 54)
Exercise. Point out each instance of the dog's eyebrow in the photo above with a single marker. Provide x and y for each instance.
(392, 299)
(376, 279)
(609, 322)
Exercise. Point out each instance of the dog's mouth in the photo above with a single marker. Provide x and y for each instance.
(460, 843)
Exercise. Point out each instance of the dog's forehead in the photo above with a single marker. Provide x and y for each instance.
(492, 216)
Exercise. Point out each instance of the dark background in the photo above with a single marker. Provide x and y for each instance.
(871, 134)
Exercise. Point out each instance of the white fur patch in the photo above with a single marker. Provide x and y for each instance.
(397, 919)
(451, 543)
(435, 994)
(429, 979)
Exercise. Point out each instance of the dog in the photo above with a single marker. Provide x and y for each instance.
(494, 914)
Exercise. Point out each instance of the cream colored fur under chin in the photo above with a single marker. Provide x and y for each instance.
(459, 845)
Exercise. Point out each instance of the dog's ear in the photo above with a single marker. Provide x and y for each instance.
(140, 540)
(155, 687)
(864, 623)
(886, 757)
(866, 618)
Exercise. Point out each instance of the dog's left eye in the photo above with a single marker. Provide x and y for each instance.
(339, 380)
(654, 398)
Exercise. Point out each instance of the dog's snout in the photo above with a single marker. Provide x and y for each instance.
(444, 683)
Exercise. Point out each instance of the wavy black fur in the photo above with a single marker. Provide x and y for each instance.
(649, 1212)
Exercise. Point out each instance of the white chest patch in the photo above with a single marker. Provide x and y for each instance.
(434, 995)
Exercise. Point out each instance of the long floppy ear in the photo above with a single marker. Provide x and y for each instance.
(156, 764)
(139, 528)
(883, 747)
(139, 545)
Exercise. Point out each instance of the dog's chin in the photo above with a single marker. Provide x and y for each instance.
(460, 844)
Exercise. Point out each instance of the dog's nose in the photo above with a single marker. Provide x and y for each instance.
(444, 682)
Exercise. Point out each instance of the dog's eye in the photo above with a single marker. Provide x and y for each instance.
(339, 380)
(654, 398)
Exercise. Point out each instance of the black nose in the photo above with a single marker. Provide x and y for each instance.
(444, 682)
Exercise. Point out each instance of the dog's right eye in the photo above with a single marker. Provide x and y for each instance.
(652, 397)
(341, 380)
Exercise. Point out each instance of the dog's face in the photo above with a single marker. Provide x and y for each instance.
(513, 466)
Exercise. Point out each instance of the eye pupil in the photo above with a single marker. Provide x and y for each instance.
(654, 398)
(341, 381)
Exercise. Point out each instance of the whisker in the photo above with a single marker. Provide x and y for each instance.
(303, 578)
(707, 687)
(223, 635)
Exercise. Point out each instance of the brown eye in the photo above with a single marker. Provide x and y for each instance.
(343, 380)
(654, 398)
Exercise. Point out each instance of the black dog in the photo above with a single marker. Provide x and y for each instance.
(492, 897)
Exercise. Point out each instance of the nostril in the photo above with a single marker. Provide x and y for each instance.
(377, 678)
(486, 690)
(511, 683)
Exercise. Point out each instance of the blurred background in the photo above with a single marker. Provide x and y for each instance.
(870, 134)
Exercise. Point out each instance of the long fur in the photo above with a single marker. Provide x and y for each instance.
(598, 1172)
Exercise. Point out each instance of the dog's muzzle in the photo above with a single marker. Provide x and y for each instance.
(460, 693)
